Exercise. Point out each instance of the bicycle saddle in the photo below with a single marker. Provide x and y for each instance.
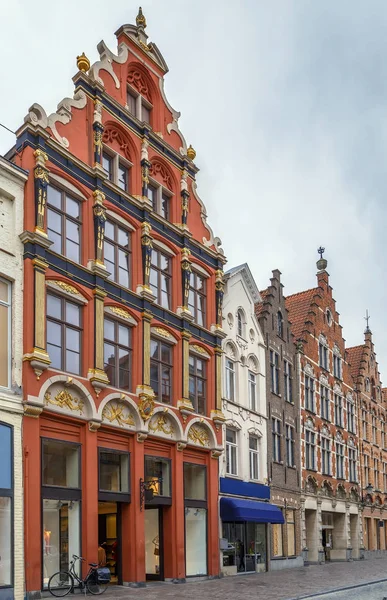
(93, 564)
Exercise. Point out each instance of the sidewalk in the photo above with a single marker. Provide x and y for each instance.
(276, 585)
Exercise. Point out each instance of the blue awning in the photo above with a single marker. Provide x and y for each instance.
(239, 509)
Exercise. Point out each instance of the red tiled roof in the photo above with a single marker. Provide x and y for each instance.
(298, 306)
(259, 305)
(355, 355)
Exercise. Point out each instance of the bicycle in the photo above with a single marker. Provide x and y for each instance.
(62, 583)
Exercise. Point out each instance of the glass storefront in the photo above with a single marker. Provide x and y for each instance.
(153, 543)
(246, 546)
(196, 541)
(6, 500)
(61, 535)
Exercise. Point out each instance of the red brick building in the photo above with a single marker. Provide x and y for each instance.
(371, 409)
(122, 333)
(330, 521)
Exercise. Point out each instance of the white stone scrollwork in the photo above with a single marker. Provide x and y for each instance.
(38, 116)
(106, 62)
(336, 350)
(325, 431)
(324, 380)
(308, 370)
(322, 339)
(339, 436)
(309, 424)
(217, 242)
(349, 397)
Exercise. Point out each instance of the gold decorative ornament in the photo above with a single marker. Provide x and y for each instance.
(163, 332)
(161, 424)
(199, 349)
(144, 46)
(191, 153)
(198, 435)
(140, 19)
(99, 197)
(32, 411)
(40, 156)
(67, 287)
(83, 63)
(119, 412)
(64, 400)
(94, 426)
(121, 312)
(146, 406)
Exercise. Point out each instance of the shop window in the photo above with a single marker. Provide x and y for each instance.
(309, 394)
(5, 328)
(64, 223)
(113, 473)
(6, 506)
(117, 170)
(118, 354)
(64, 330)
(161, 370)
(197, 298)
(246, 546)
(197, 383)
(158, 475)
(278, 546)
(254, 457)
(61, 465)
(160, 198)
(230, 380)
(231, 452)
(61, 535)
(161, 278)
(195, 487)
(61, 495)
(117, 253)
(274, 372)
(291, 531)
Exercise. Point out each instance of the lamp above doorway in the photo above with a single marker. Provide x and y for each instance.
(148, 489)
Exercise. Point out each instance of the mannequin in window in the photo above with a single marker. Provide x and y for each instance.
(101, 554)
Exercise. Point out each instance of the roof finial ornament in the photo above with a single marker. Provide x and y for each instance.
(140, 19)
(83, 63)
(367, 318)
(322, 263)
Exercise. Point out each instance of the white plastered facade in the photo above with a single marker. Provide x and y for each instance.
(12, 182)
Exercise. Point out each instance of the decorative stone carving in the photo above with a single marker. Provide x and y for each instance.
(158, 168)
(137, 80)
(113, 133)
(308, 369)
(199, 350)
(117, 412)
(324, 379)
(199, 436)
(161, 424)
(106, 62)
(37, 115)
(65, 400)
(121, 312)
(146, 405)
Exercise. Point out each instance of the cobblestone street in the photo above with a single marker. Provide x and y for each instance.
(281, 585)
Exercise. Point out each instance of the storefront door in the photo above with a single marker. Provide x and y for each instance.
(246, 546)
(109, 538)
(154, 543)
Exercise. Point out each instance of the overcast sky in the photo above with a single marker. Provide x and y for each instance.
(285, 102)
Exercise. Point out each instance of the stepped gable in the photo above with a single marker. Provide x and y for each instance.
(298, 306)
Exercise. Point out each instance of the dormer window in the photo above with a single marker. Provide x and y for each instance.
(138, 106)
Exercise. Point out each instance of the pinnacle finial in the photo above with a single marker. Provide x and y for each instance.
(367, 318)
(140, 19)
(83, 63)
(322, 263)
(191, 153)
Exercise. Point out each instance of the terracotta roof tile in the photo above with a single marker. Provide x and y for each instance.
(298, 306)
(355, 355)
(259, 306)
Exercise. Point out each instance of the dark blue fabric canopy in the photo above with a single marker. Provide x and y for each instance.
(239, 509)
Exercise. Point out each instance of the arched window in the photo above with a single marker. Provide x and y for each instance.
(367, 385)
(373, 389)
(241, 323)
(280, 324)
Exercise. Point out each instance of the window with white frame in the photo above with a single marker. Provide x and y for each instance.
(288, 381)
(339, 460)
(160, 198)
(138, 106)
(230, 380)
(364, 423)
(367, 385)
(352, 465)
(325, 456)
(274, 372)
(276, 439)
(117, 169)
(197, 297)
(310, 450)
(309, 393)
(290, 446)
(367, 470)
(325, 402)
(323, 354)
(254, 456)
(374, 429)
(280, 324)
(231, 452)
(5, 328)
(385, 477)
(351, 416)
(241, 324)
(252, 383)
(376, 474)
(337, 366)
(338, 410)
(383, 434)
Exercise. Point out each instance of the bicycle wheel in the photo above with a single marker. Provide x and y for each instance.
(60, 584)
(94, 587)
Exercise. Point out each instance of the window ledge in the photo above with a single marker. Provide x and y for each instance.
(292, 467)
(278, 462)
(275, 394)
